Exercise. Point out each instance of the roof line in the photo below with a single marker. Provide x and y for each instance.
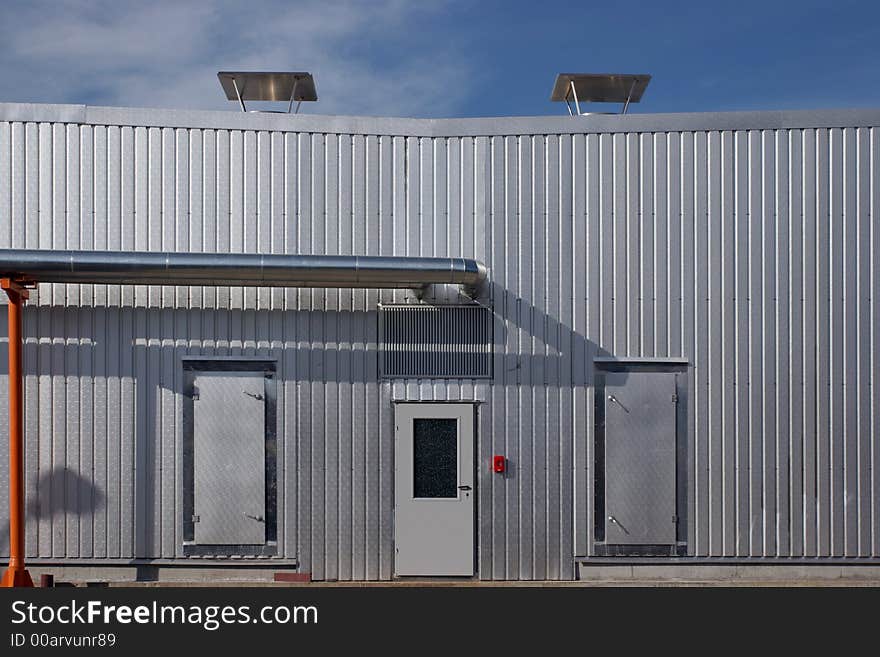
(460, 127)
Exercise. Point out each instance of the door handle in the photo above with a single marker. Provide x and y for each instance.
(614, 399)
(464, 488)
(257, 518)
(616, 522)
(255, 396)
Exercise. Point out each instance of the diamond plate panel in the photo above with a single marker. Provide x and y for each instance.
(640, 458)
(229, 459)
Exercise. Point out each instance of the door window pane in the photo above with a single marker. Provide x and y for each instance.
(435, 457)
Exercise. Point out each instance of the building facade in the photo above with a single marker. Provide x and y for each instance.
(676, 354)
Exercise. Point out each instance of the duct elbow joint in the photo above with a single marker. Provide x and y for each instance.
(476, 288)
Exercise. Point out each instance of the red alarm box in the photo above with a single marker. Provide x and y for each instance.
(498, 463)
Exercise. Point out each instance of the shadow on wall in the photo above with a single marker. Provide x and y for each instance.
(331, 345)
(567, 357)
(142, 348)
(59, 491)
(62, 491)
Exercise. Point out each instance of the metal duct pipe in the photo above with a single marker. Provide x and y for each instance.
(134, 268)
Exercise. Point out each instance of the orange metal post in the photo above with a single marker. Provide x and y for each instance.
(16, 574)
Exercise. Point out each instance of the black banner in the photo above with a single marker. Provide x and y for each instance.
(460, 618)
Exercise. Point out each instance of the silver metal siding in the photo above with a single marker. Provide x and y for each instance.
(752, 252)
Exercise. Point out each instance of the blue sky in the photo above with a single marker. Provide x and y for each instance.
(444, 58)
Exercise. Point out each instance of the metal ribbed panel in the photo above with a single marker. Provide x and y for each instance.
(428, 342)
(751, 252)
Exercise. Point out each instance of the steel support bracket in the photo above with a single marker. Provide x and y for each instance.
(17, 286)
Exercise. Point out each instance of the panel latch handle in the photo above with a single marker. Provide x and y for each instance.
(614, 399)
(615, 521)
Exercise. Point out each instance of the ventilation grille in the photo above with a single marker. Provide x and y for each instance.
(453, 342)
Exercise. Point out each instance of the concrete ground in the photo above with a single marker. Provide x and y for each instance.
(589, 575)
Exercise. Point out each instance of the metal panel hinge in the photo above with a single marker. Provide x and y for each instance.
(196, 518)
(674, 398)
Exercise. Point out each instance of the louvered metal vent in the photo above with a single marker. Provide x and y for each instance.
(453, 342)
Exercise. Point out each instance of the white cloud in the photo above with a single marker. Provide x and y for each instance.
(368, 57)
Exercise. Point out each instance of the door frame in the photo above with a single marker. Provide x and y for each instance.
(680, 368)
(475, 409)
(192, 367)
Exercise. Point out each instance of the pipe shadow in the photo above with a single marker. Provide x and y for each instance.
(318, 346)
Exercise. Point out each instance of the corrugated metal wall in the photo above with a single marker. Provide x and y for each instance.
(753, 253)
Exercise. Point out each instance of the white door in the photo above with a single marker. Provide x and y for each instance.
(433, 489)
